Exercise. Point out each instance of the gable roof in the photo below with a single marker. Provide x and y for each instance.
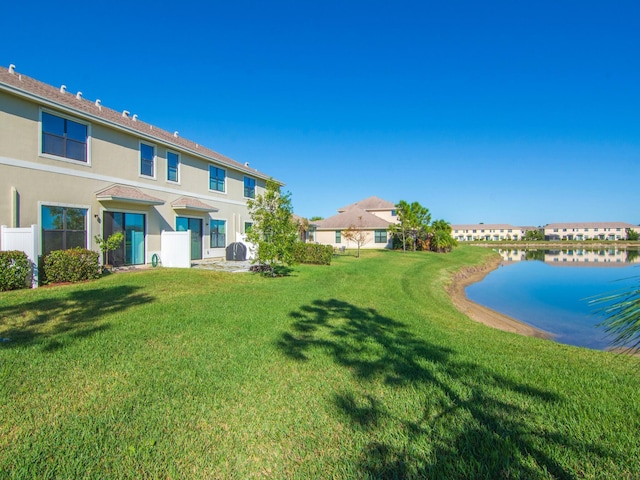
(371, 203)
(352, 217)
(50, 96)
(124, 193)
(190, 203)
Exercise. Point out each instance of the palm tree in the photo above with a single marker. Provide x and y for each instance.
(441, 238)
(622, 322)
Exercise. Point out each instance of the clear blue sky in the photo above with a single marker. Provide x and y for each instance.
(483, 111)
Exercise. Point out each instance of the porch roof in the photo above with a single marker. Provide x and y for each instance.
(123, 193)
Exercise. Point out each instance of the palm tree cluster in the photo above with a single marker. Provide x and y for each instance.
(414, 230)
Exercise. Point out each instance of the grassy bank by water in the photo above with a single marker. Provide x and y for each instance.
(358, 370)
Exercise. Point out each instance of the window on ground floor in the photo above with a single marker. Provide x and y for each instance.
(218, 233)
(380, 236)
(63, 228)
(338, 236)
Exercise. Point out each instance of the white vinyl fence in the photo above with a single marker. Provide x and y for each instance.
(24, 239)
(175, 249)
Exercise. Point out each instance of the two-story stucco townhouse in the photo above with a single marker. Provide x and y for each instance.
(78, 169)
(372, 215)
(489, 232)
(588, 231)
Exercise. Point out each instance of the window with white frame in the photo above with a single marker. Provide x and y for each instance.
(218, 236)
(147, 160)
(63, 228)
(249, 187)
(216, 178)
(173, 164)
(380, 236)
(64, 137)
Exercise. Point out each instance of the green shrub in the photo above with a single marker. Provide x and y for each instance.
(312, 253)
(15, 270)
(73, 265)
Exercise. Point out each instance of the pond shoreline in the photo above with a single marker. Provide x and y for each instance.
(479, 313)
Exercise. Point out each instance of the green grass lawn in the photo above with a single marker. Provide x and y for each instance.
(358, 370)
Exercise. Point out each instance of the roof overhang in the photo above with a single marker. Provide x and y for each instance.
(124, 194)
(193, 204)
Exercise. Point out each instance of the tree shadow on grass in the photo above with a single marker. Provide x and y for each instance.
(74, 316)
(470, 423)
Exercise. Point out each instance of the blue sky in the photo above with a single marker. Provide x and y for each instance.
(498, 112)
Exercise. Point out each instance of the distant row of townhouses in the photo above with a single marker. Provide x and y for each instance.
(553, 231)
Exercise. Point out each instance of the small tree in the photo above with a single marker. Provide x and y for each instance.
(110, 244)
(441, 238)
(533, 235)
(273, 229)
(413, 223)
(357, 235)
(632, 235)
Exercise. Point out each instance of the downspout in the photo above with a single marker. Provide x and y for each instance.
(15, 208)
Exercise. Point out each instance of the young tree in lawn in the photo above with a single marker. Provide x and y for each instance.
(413, 222)
(356, 235)
(273, 229)
(632, 235)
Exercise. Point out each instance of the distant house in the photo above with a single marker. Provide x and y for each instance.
(489, 232)
(372, 215)
(588, 231)
(78, 169)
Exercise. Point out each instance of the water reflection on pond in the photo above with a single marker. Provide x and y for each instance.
(532, 288)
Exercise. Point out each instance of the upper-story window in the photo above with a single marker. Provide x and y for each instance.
(147, 160)
(63, 137)
(216, 178)
(249, 187)
(173, 162)
(394, 213)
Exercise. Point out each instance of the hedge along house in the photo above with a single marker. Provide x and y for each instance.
(78, 169)
(373, 216)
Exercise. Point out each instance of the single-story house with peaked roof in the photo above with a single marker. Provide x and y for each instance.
(372, 215)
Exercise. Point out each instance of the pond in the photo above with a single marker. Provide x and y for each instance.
(551, 289)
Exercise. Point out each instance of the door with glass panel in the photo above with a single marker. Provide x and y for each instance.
(195, 225)
(132, 225)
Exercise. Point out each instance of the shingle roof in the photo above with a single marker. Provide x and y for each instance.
(352, 217)
(371, 203)
(190, 203)
(122, 193)
(26, 86)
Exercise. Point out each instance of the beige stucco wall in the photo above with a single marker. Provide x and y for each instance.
(385, 215)
(114, 158)
(328, 237)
